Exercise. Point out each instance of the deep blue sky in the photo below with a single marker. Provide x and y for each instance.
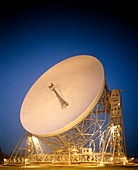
(34, 37)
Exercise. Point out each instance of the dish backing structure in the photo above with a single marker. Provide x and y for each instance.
(70, 116)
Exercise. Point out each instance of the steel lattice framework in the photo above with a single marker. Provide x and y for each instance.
(98, 138)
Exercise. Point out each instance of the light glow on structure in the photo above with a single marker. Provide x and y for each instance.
(35, 140)
(111, 158)
(113, 128)
(125, 160)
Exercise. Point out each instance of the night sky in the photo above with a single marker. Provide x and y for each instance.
(36, 36)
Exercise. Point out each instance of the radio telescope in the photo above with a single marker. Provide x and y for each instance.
(70, 115)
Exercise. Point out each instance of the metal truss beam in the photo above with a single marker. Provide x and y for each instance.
(98, 138)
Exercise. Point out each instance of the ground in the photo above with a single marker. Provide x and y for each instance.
(69, 167)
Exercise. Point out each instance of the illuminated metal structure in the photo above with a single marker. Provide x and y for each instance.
(87, 121)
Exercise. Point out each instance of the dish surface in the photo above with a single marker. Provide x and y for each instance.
(63, 96)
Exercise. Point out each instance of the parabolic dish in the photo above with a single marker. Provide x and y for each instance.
(78, 81)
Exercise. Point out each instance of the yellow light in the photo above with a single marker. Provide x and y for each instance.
(111, 158)
(29, 138)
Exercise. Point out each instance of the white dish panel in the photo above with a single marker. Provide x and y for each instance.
(78, 80)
